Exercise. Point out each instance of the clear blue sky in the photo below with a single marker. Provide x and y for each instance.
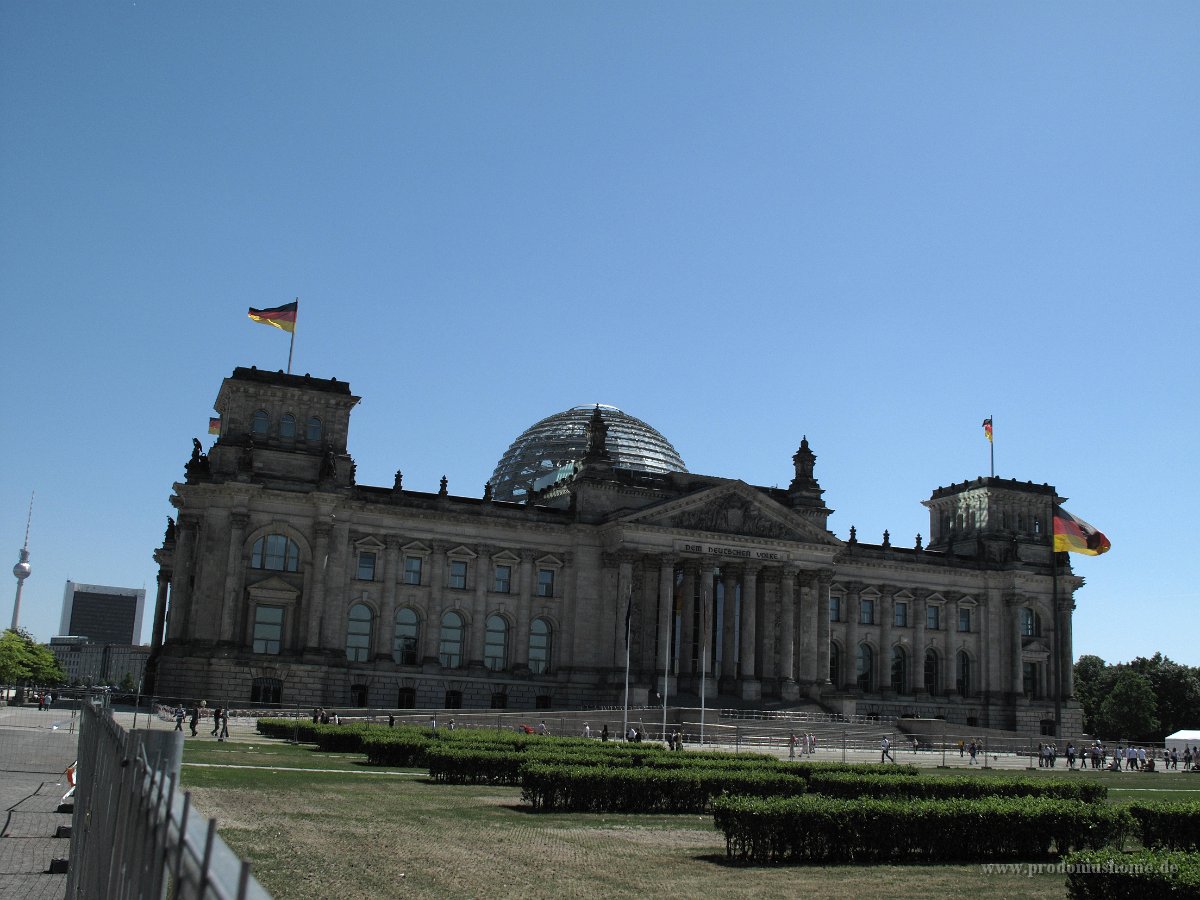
(869, 223)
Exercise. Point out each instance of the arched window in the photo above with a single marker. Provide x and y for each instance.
(864, 667)
(963, 680)
(450, 647)
(287, 427)
(276, 552)
(408, 635)
(358, 633)
(899, 670)
(495, 644)
(314, 430)
(835, 665)
(933, 672)
(260, 423)
(1031, 623)
(540, 640)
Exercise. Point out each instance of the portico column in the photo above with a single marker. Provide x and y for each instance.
(687, 619)
(646, 577)
(666, 616)
(624, 587)
(729, 581)
(748, 681)
(787, 635)
(821, 600)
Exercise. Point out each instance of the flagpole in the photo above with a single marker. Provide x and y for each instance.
(292, 342)
(992, 445)
(669, 637)
(704, 586)
(628, 609)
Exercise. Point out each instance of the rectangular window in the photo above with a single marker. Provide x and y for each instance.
(901, 614)
(964, 620)
(545, 584)
(412, 570)
(933, 618)
(835, 608)
(458, 574)
(268, 629)
(503, 582)
(866, 612)
(366, 566)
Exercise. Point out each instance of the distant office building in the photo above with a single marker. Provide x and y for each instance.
(103, 615)
(88, 663)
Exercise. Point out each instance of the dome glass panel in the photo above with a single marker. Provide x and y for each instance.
(546, 451)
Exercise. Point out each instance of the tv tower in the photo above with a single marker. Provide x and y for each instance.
(22, 569)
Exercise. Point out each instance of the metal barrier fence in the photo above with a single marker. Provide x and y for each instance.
(134, 834)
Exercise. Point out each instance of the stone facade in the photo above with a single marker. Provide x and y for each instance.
(286, 581)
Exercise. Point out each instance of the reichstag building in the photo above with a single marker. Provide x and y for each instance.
(284, 580)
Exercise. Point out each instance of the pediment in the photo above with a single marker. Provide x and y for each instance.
(273, 588)
(732, 509)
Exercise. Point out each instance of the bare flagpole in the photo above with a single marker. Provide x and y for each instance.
(628, 610)
(992, 445)
(669, 637)
(704, 589)
(292, 342)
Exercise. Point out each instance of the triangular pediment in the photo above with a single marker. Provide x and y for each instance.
(733, 508)
(273, 588)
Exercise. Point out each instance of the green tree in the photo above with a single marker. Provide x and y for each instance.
(24, 661)
(1094, 679)
(1176, 690)
(1129, 712)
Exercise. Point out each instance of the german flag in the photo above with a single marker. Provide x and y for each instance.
(282, 317)
(214, 425)
(987, 428)
(1073, 535)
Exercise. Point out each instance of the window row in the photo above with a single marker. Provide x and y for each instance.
(260, 426)
(458, 574)
(898, 670)
(269, 691)
(900, 614)
(279, 553)
(406, 641)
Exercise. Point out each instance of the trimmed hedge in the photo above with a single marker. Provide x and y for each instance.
(646, 790)
(849, 785)
(1168, 826)
(816, 829)
(1113, 875)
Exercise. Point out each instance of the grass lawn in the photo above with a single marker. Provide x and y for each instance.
(352, 831)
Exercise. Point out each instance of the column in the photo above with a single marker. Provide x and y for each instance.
(160, 610)
(333, 628)
(884, 615)
(647, 578)
(187, 536)
(479, 611)
(624, 597)
(787, 635)
(767, 625)
(234, 571)
(524, 592)
(666, 617)
(314, 601)
(687, 619)
(807, 622)
(824, 579)
(437, 595)
(918, 649)
(729, 582)
(387, 613)
(1068, 665)
(1016, 673)
(749, 685)
(853, 598)
(706, 628)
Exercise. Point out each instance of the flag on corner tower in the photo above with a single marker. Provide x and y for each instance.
(987, 428)
(214, 425)
(282, 317)
(1073, 535)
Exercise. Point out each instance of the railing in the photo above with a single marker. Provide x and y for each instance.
(134, 833)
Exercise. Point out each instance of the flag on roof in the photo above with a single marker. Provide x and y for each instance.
(987, 428)
(282, 317)
(1073, 535)
(214, 425)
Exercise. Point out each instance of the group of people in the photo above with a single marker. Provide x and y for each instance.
(220, 729)
(805, 743)
(45, 700)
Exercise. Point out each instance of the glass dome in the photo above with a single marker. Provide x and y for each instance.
(544, 452)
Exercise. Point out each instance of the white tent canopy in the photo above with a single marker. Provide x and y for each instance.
(1188, 737)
